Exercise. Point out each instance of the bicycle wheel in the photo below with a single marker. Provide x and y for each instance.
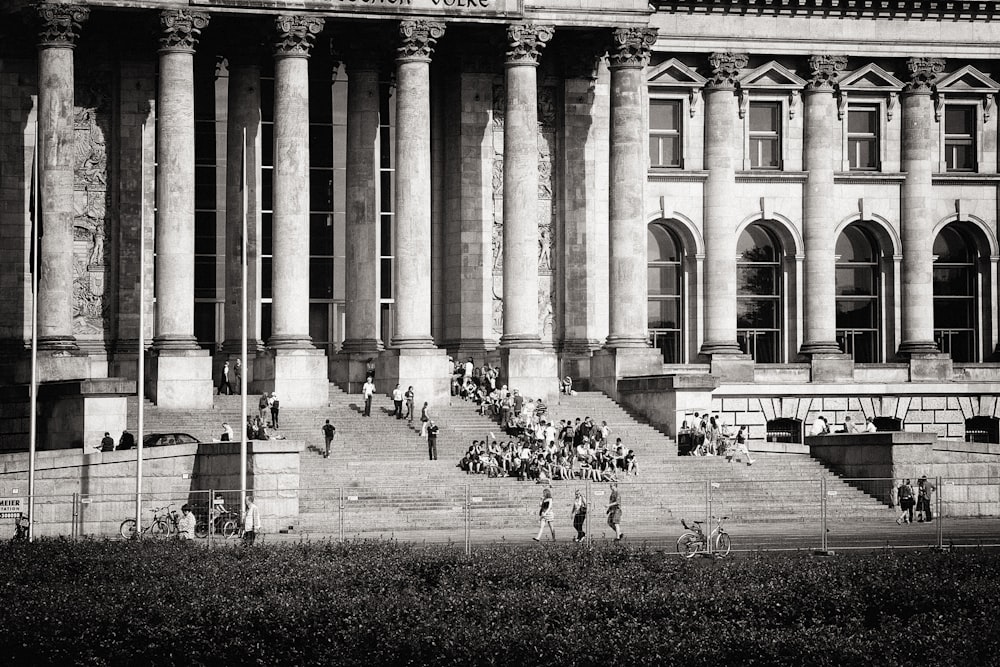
(722, 545)
(687, 545)
(201, 528)
(127, 529)
(230, 528)
(159, 528)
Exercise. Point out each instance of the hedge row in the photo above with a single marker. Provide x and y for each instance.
(369, 603)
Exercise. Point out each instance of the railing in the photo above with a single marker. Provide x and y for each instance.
(824, 514)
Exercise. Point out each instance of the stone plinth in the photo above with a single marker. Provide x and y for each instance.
(349, 370)
(298, 376)
(831, 367)
(53, 366)
(733, 367)
(931, 367)
(533, 372)
(179, 379)
(427, 370)
(609, 365)
(666, 400)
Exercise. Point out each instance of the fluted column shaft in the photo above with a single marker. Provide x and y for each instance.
(919, 140)
(520, 186)
(822, 139)
(628, 159)
(722, 151)
(362, 209)
(243, 199)
(290, 278)
(412, 325)
(175, 180)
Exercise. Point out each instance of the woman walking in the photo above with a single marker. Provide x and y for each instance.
(615, 513)
(579, 515)
(545, 516)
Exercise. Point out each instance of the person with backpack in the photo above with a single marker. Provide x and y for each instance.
(906, 503)
(579, 514)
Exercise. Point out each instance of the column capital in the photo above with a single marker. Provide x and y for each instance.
(294, 35)
(525, 42)
(824, 70)
(923, 71)
(417, 39)
(59, 25)
(726, 68)
(631, 47)
(180, 28)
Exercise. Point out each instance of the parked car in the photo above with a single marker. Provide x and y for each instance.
(157, 439)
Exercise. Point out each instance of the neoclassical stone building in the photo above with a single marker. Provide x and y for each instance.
(764, 208)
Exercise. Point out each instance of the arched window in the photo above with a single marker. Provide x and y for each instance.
(784, 429)
(665, 277)
(758, 294)
(858, 309)
(955, 307)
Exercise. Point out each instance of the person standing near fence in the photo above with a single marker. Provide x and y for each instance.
(545, 516)
(329, 430)
(185, 526)
(925, 496)
(579, 514)
(615, 513)
(251, 522)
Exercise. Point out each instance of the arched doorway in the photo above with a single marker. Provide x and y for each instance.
(759, 310)
(859, 311)
(665, 291)
(956, 292)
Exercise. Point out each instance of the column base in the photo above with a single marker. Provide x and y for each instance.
(826, 367)
(179, 343)
(290, 342)
(911, 347)
(931, 367)
(57, 343)
(521, 341)
(415, 343)
(614, 363)
(369, 346)
(712, 347)
(179, 379)
(730, 367)
(533, 372)
(811, 347)
(428, 371)
(348, 369)
(297, 375)
(477, 348)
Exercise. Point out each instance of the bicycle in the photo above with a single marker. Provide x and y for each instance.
(223, 521)
(694, 541)
(160, 526)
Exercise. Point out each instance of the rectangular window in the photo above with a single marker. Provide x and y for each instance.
(765, 135)
(862, 138)
(960, 137)
(665, 145)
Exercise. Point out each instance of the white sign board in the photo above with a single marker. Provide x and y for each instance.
(11, 508)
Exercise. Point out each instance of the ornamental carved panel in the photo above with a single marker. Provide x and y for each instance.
(91, 224)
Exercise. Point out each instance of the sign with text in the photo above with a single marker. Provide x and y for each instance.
(446, 8)
(11, 508)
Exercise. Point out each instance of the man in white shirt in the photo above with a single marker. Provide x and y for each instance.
(870, 426)
(820, 426)
(397, 400)
(368, 390)
(251, 523)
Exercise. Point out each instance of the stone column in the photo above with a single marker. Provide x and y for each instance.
(243, 200)
(416, 361)
(59, 26)
(821, 157)
(362, 340)
(295, 369)
(919, 146)
(723, 150)
(627, 351)
(180, 373)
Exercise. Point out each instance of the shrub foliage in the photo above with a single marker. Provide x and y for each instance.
(369, 603)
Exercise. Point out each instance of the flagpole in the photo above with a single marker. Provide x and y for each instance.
(243, 327)
(33, 402)
(141, 352)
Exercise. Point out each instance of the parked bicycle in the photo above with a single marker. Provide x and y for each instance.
(165, 520)
(694, 540)
(223, 521)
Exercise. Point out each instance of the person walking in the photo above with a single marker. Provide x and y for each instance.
(905, 503)
(741, 444)
(397, 402)
(409, 404)
(579, 514)
(545, 516)
(251, 523)
(224, 380)
(425, 418)
(238, 373)
(275, 407)
(329, 430)
(368, 391)
(615, 513)
(432, 441)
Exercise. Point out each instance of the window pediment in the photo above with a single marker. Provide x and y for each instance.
(772, 77)
(869, 80)
(967, 82)
(673, 76)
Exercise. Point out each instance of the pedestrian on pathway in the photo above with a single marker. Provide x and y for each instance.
(275, 406)
(906, 503)
(432, 441)
(329, 430)
(425, 418)
(409, 404)
(263, 407)
(614, 512)
(238, 372)
(224, 387)
(397, 402)
(579, 514)
(925, 496)
(545, 515)
(742, 450)
(251, 523)
(368, 390)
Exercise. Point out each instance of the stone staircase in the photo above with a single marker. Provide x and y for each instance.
(378, 480)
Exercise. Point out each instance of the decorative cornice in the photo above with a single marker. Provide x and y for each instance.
(726, 69)
(824, 71)
(956, 10)
(294, 35)
(59, 25)
(180, 28)
(525, 42)
(417, 39)
(631, 47)
(923, 72)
